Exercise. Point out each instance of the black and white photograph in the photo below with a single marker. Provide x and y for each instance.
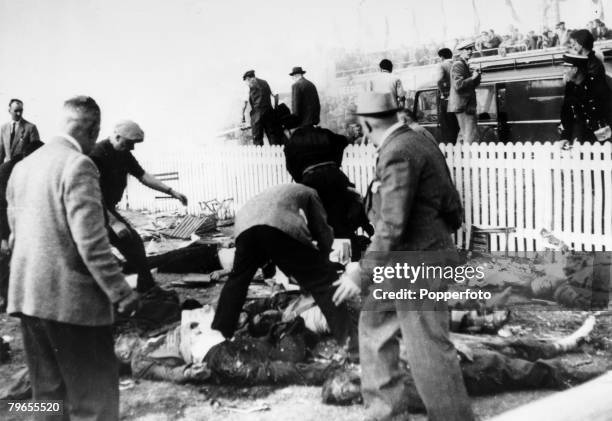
(352, 210)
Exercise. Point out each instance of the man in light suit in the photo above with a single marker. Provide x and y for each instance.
(414, 207)
(462, 100)
(305, 105)
(64, 280)
(17, 134)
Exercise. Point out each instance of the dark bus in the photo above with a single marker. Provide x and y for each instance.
(519, 98)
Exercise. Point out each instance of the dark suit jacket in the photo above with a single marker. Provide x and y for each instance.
(305, 103)
(463, 88)
(26, 133)
(408, 198)
(259, 99)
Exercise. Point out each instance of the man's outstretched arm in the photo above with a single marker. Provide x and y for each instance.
(152, 182)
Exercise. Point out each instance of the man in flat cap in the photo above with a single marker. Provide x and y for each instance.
(263, 118)
(305, 105)
(583, 113)
(115, 161)
(462, 99)
(414, 208)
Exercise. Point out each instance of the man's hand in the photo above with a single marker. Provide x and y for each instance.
(120, 229)
(348, 284)
(197, 372)
(4, 247)
(179, 196)
(603, 133)
(129, 304)
(564, 144)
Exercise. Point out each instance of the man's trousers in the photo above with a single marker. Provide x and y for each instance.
(312, 270)
(132, 248)
(468, 127)
(267, 123)
(448, 123)
(433, 361)
(4, 280)
(75, 364)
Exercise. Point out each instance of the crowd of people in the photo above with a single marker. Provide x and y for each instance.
(487, 43)
(66, 286)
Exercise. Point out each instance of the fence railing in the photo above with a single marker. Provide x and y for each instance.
(526, 186)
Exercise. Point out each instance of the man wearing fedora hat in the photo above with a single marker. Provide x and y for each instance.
(305, 105)
(413, 206)
(462, 99)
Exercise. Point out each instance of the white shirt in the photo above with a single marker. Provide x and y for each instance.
(385, 82)
(71, 140)
(388, 133)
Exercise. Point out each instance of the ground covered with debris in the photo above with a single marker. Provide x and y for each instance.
(162, 400)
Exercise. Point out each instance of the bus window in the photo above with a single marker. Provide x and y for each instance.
(427, 106)
(486, 107)
(534, 99)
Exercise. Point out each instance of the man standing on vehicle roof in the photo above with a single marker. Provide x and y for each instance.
(263, 118)
(448, 121)
(462, 100)
(385, 81)
(583, 114)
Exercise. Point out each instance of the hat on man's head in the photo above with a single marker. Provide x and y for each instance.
(559, 24)
(248, 73)
(129, 130)
(297, 70)
(575, 60)
(376, 104)
(464, 45)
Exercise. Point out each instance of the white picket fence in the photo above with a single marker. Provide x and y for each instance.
(526, 186)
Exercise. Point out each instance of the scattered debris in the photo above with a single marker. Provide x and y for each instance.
(259, 408)
(193, 225)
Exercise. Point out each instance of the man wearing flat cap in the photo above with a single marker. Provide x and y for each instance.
(583, 113)
(263, 118)
(462, 99)
(115, 161)
(305, 105)
(414, 208)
